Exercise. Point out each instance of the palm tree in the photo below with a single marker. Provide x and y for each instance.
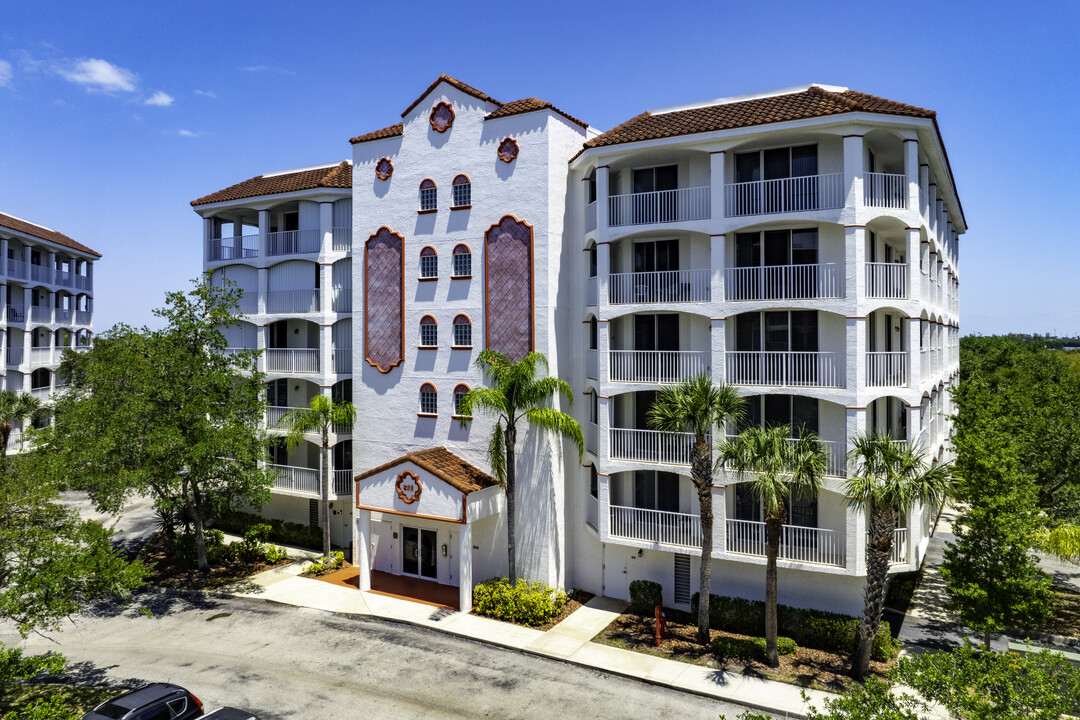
(778, 467)
(515, 393)
(888, 478)
(319, 416)
(13, 407)
(1062, 542)
(698, 406)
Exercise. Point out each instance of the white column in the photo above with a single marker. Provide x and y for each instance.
(604, 408)
(89, 276)
(853, 173)
(208, 235)
(326, 227)
(718, 348)
(719, 534)
(465, 584)
(718, 264)
(911, 170)
(924, 186)
(915, 368)
(603, 352)
(326, 354)
(362, 547)
(716, 185)
(855, 538)
(855, 259)
(602, 192)
(603, 272)
(264, 283)
(264, 229)
(603, 505)
(52, 274)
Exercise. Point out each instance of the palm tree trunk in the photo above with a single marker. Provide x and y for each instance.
(878, 552)
(5, 433)
(325, 460)
(511, 441)
(191, 498)
(701, 472)
(773, 530)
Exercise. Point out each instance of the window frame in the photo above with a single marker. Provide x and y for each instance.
(454, 258)
(428, 196)
(457, 400)
(430, 254)
(466, 191)
(429, 400)
(434, 324)
(468, 325)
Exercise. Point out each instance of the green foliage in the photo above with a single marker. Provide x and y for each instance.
(53, 708)
(645, 595)
(274, 554)
(251, 548)
(282, 532)
(750, 648)
(14, 666)
(14, 407)
(526, 603)
(336, 560)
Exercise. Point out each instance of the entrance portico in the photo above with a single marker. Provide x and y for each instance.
(427, 515)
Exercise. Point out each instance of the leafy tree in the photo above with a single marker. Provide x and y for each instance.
(322, 414)
(699, 407)
(888, 479)
(168, 412)
(14, 407)
(517, 393)
(1062, 541)
(775, 467)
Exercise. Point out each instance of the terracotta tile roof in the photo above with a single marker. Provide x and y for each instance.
(467, 89)
(517, 107)
(27, 228)
(444, 465)
(392, 131)
(337, 176)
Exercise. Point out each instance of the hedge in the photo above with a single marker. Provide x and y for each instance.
(750, 648)
(645, 595)
(282, 532)
(526, 603)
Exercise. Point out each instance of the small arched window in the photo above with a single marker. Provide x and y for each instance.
(462, 331)
(459, 396)
(429, 263)
(429, 196)
(429, 399)
(462, 191)
(593, 333)
(462, 261)
(594, 481)
(429, 332)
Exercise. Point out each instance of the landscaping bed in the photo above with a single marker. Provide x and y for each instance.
(1066, 618)
(574, 600)
(169, 571)
(74, 699)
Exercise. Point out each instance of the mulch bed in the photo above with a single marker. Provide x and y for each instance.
(574, 600)
(807, 667)
(166, 572)
(329, 571)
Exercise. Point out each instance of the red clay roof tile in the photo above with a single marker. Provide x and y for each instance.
(336, 176)
(467, 89)
(13, 223)
(517, 107)
(444, 465)
(387, 132)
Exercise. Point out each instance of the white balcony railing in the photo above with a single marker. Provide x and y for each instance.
(590, 216)
(665, 286)
(292, 301)
(40, 355)
(885, 190)
(886, 369)
(651, 446)
(591, 364)
(342, 299)
(659, 206)
(275, 414)
(83, 317)
(41, 273)
(798, 544)
(293, 242)
(63, 316)
(16, 269)
(343, 482)
(14, 355)
(82, 282)
(16, 314)
(656, 366)
(786, 369)
(342, 239)
(899, 546)
(886, 280)
(292, 360)
(784, 282)
(296, 479)
(592, 434)
(591, 292)
(41, 314)
(657, 526)
(238, 247)
(343, 359)
(835, 456)
(592, 512)
(65, 278)
(42, 393)
(787, 195)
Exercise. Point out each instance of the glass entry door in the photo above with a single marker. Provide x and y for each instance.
(418, 548)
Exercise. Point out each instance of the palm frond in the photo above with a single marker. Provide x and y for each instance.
(496, 453)
(560, 423)
(893, 474)
(542, 389)
(774, 465)
(1062, 542)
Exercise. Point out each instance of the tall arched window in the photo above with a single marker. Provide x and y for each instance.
(429, 332)
(429, 399)
(459, 395)
(429, 197)
(462, 331)
(462, 261)
(429, 263)
(462, 191)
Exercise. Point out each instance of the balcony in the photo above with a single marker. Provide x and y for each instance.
(292, 360)
(886, 369)
(835, 456)
(899, 546)
(41, 314)
(885, 190)
(659, 206)
(83, 317)
(592, 433)
(16, 269)
(41, 273)
(342, 239)
(83, 282)
(288, 302)
(63, 316)
(784, 282)
(293, 242)
(886, 280)
(16, 314)
(666, 286)
(296, 479)
(343, 482)
(656, 366)
(14, 355)
(797, 544)
(275, 414)
(342, 360)
(40, 355)
(785, 369)
(42, 393)
(592, 360)
(590, 216)
(65, 278)
(239, 247)
(591, 292)
(341, 300)
(786, 195)
(656, 526)
(592, 512)
(650, 446)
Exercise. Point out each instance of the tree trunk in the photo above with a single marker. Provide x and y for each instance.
(325, 458)
(5, 433)
(773, 530)
(511, 440)
(194, 508)
(878, 552)
(701, 471)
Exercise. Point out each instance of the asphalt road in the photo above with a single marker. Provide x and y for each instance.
(285, 662)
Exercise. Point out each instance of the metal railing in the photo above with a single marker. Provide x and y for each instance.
(275, 414)
(63, 316)
(651, 446)
(83, 282)
(16, 269)
(657, 526)
(292, 301)
(784, 282)
(341, 300)
(41, 273)
(886, 280)
(659, 206)
(886, 369)
(237, 247)
(14, 355)
(83, 317)
(656, 366)
(296, 479)
(40, 313)
(592, 512)
(797, 543)
(293, 242)
(40, 355)
(342, 239)
(835, 456)
(899, 546)
(292, 360)
(16, 314)
(664, 286)
(342, 359)
(786, 195)
(885, 190)
(788, 369)
(343, 482)
(590, 216)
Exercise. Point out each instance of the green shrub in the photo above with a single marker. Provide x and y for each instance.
(337, 559)
(282, 532)
(274, 554)
(526, 603)
(750, 648)
(645, 595)
(184, 548)
(251, 548)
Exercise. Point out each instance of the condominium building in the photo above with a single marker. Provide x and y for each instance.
(801, 245)
(47, 284)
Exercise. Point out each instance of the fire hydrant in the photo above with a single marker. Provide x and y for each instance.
(661, 624)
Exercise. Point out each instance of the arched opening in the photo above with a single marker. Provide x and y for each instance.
(292, 347)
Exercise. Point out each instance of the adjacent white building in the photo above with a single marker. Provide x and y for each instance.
(800, 244)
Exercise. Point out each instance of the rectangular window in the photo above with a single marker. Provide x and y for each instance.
(462, 264)
(429, 403)
(429, 266)
(429, 335)
(462, 195)
(429, 198)
(462, 335)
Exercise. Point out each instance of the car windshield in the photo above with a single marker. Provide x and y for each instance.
(111, 710)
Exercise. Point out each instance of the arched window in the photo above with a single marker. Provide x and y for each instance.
(594, 481)
(429, 198)
(429, 399)
(462, 261)
(593, 333)
(429, 263)
(429, 332)
(40, 378)
(462, 331)
(462, 191)
(459, 395)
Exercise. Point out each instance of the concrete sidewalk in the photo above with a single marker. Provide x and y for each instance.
(569, 641)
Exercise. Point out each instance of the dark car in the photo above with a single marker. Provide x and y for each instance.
(157, 701)
(228, 713)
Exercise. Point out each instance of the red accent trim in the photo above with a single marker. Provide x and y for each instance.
(449, 123)
(386, 173)
(401, 289)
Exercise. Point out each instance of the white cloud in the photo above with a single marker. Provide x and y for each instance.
(5, 73)
(160, 99)
(205, 93)
(254, 68)
(100, 75)
(188, 133)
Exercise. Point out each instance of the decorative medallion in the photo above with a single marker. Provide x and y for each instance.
(508, 149)
(442, 117)
(408, 487)
(384, 169)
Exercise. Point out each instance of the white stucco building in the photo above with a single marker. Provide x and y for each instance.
(801, 244)
(47, 285)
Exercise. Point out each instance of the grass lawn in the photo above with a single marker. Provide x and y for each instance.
(78, 700)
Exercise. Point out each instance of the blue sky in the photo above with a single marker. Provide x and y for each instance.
(114, 115)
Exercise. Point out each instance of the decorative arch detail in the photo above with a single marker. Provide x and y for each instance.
(508, 288)
(384, 299)
(442, 117)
